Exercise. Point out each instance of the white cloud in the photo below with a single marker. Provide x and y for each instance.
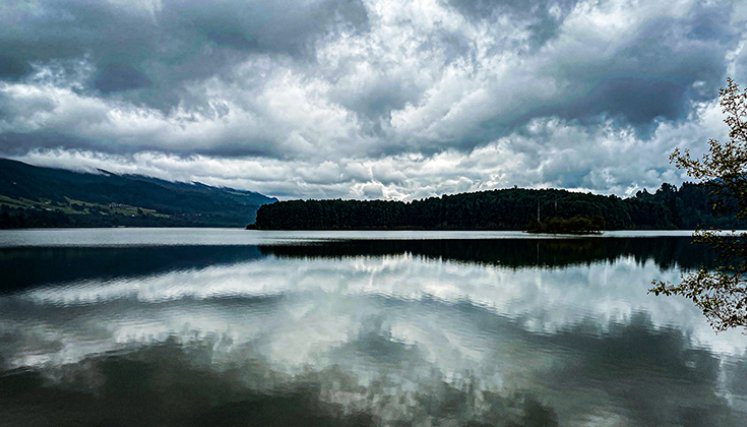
(549, 152)
(384, 99)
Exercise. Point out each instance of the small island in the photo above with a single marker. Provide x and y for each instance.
(578, 224)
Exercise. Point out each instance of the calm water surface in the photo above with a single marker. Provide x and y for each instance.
(233, 327)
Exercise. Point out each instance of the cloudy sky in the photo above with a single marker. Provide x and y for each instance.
(368, 98)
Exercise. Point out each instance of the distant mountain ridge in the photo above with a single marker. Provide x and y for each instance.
(33, 196)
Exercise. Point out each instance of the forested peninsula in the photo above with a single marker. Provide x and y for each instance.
(687, 207)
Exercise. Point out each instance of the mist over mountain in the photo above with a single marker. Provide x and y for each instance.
(32, 196)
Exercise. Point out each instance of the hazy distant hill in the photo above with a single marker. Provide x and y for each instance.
(32, 196)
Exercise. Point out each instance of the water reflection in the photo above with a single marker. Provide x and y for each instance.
(666, 252)
(25, 266)
(342, 333)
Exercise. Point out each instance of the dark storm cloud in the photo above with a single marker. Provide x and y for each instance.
(118, 77)
(165, 43)
(16, 144)
(652, 72)
(544, 16)
(12, 68)
(409, 94)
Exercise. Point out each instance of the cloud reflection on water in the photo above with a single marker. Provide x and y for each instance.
(395, 337)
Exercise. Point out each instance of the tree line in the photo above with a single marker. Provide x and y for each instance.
(687, 207)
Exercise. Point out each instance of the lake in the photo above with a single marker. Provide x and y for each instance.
(232, 327)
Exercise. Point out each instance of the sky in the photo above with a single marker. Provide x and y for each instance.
(369, 99)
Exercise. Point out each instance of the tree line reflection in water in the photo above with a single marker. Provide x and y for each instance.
(361, 333)
(29, 266)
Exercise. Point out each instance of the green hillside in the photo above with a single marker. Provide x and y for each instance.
(32, 196)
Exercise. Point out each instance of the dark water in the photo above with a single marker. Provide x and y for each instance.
(225, 327)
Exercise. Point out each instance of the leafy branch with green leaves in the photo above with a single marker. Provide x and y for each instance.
(720, 292)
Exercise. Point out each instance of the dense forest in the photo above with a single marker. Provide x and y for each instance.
(32, 196)
(687, 207)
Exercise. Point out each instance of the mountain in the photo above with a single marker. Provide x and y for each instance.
(688, 207)
(32, 196)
